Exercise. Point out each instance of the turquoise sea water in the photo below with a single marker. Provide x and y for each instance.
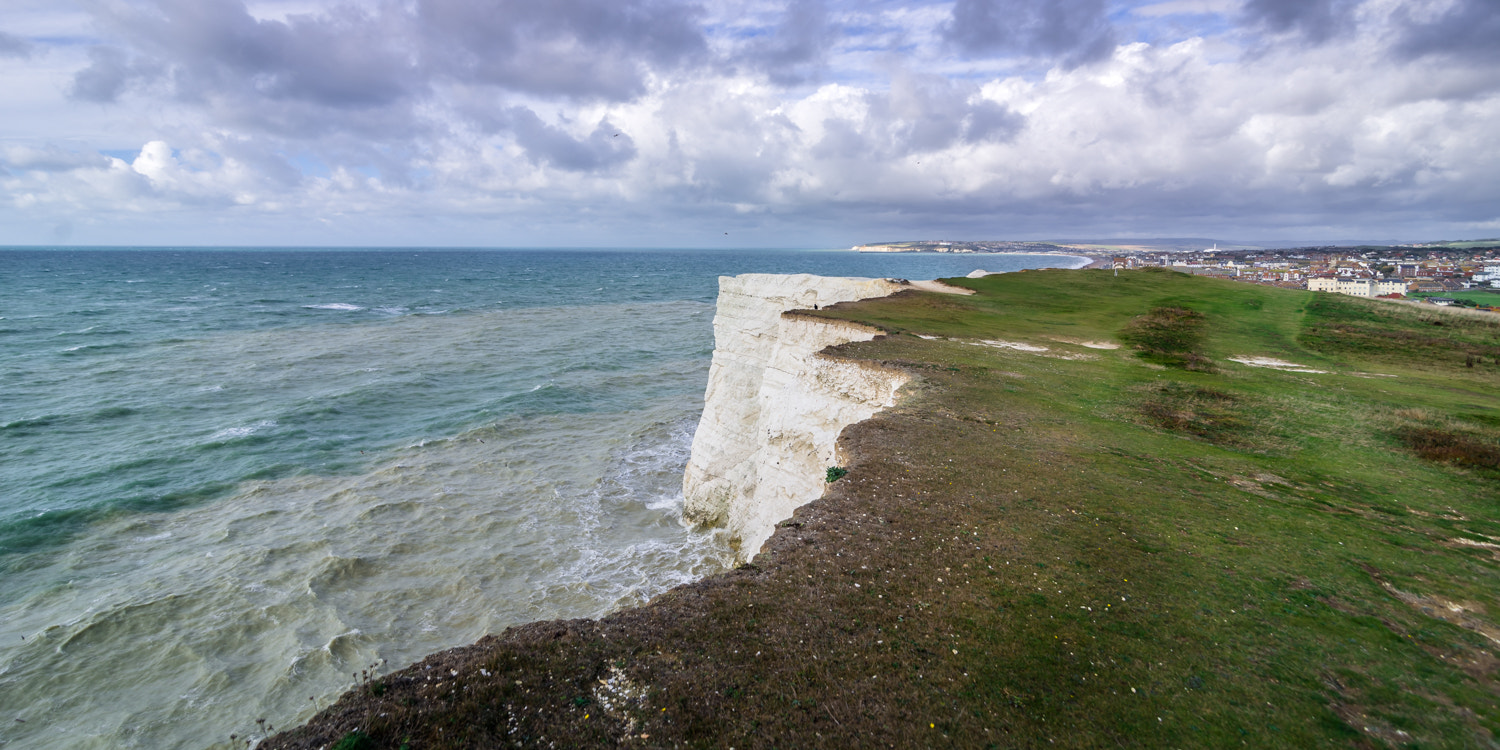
(229, 479)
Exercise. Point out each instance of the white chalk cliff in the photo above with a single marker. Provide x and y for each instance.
(775, 406)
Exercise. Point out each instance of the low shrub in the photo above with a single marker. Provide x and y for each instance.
(1446, 446)
(1170, 336)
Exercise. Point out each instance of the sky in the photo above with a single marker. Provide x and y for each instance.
(775, 123)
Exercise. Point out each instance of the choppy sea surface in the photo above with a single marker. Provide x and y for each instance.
(232, 479)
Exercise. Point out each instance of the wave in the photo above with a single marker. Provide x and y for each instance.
(343, 306)
(54, 420)
(74, 351)
(27, 423)
(235, 433)
(111, 412)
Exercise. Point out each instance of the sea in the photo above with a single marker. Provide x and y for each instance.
(236, 482)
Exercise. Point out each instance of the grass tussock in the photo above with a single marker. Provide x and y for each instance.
(1171, 337)
(1206, 413)
(1449, 446)
(1467, 440)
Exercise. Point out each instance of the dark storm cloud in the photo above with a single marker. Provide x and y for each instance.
(1314, 20)
(214, 49)
(14, 46)
(796, 50)
(105, 78)
(576, 48)
(1469, 29)
(348, 58)
(991, 121)
(602, 149)
(1074, 31)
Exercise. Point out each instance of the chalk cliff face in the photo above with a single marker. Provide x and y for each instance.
(775, 407)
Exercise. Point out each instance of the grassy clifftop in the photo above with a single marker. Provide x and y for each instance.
(1054, 543)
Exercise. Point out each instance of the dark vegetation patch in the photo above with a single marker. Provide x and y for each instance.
(1456, 448)
(1206, 413)
(1170, 336)
(1014, 560)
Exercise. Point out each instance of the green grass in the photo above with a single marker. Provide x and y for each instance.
(1276, 519)
(1077, 547)
(1477, 296)
(355, 740)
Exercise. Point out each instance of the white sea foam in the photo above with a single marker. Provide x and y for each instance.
(666, 501)
(344, 306)
(235, 433)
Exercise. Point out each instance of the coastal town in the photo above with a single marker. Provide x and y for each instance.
(1438, 275)
(1456, 274)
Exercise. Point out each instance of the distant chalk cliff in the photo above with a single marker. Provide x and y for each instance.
(775, 406)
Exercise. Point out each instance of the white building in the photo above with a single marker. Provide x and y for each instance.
(1357, 287)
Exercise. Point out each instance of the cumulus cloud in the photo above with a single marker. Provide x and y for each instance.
(1076, 31)
(976, 117)
(918, 114)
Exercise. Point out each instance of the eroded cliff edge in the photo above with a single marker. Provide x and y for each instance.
(775, 404)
